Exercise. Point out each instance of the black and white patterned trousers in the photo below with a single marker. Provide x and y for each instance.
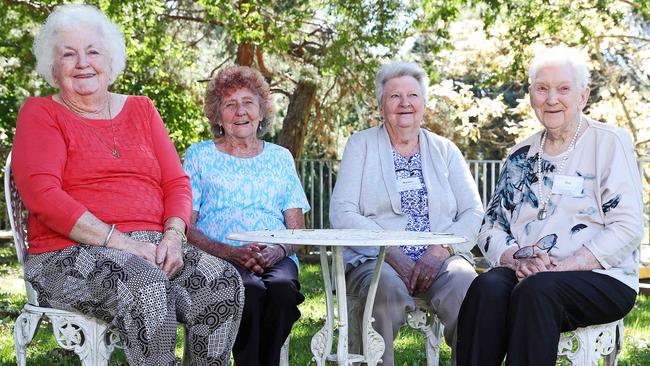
(136, 297)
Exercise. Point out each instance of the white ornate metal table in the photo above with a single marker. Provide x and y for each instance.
(321, 342)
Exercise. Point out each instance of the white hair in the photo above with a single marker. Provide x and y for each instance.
(78, 17)
(399, 69)
(561, 56)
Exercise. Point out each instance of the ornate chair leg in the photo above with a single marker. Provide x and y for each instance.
(431, 327)
(612, 358)
(24, 331)
(433, 342)
(84, 336)
(284, 353)
(585, 346)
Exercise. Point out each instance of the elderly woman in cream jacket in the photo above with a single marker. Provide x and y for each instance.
(399, 176)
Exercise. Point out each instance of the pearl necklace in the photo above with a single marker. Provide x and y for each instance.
(543, 201)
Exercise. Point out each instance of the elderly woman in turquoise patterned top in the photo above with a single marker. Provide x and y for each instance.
(561, 231)
(240, 183)
(400, 176)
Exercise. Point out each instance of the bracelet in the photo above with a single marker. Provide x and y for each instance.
(284, 248)
(179, 233)
(450, 249)
(108, 236)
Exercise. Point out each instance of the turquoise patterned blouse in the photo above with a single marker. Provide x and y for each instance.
(241, 194)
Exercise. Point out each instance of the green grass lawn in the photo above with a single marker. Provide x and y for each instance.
(409, 345)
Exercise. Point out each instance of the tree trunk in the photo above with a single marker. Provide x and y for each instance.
(294, 126)
(245, 54)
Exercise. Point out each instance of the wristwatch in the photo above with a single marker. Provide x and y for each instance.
(450, 249)
(179, 233)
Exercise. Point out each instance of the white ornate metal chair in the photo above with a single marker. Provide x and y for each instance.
(423, 319)
(284, 353)
(585, 346)
(92, 340)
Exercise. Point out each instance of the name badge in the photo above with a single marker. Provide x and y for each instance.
(408, 184)
(568, 185)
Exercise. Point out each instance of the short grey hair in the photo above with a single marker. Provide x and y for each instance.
(561, 56)
(398, 69)
(77, 17)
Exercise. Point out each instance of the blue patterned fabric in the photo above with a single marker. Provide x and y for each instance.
(414, 203)
(241, 194)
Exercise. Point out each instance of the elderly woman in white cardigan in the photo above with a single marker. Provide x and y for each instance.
(399, 176)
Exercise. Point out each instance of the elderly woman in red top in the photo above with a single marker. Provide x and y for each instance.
(109, 204)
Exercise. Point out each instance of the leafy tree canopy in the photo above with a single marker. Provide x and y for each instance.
(475, 52)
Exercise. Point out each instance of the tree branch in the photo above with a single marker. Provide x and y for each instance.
(623, 36)
(260, 63)
(281, 91)
(194, 19)
(29, 4)
(214, 70)
(630, 3)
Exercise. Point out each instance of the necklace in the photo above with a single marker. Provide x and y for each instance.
(543, 201)
(114, 152)
(410, 151)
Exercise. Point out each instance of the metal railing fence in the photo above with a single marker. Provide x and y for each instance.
(318, 177)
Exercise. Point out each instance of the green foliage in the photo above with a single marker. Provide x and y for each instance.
(479, 73)
(156, 65)
(480, 87)
(16, 67)
(157, 61)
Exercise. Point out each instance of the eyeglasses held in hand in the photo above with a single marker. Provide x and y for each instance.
(545, 243)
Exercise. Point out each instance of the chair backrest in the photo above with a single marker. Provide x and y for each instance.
(17, 213)
(18, 221)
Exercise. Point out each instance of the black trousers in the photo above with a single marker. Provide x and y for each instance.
(524, 319)
(270, 309)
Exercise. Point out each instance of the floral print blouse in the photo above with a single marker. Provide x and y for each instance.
(605, 215)
(413, 201)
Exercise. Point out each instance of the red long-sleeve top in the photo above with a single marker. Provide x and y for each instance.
(63, 167)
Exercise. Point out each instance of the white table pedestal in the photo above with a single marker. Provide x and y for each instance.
(321, 342)
(337, 239)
